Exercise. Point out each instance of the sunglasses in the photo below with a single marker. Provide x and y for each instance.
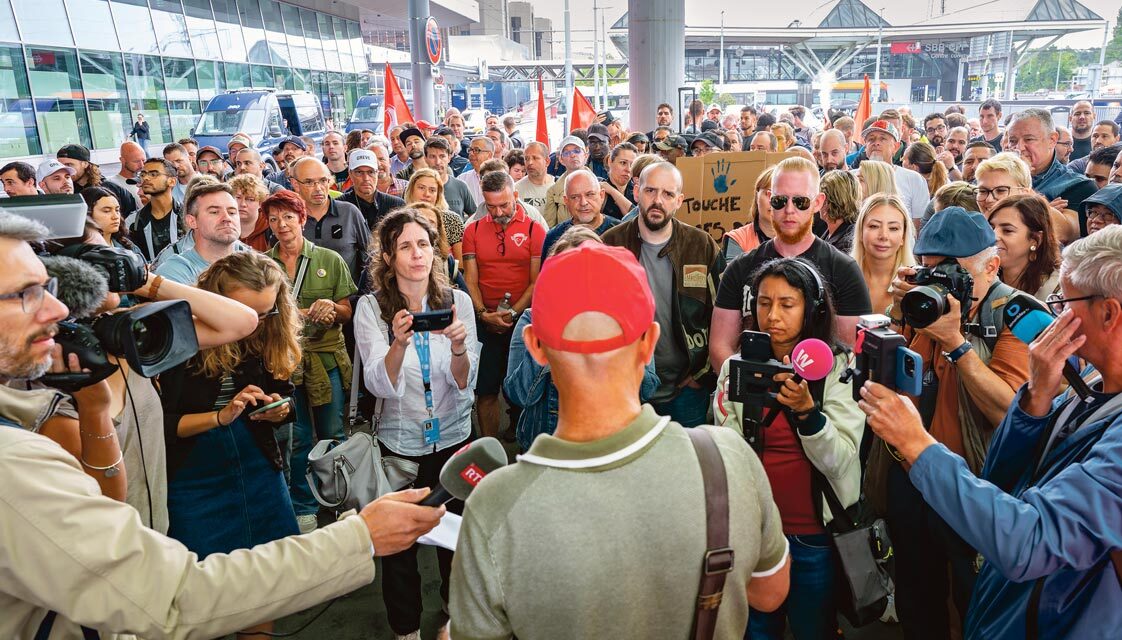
(802, 203)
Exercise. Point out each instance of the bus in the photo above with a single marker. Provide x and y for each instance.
(852, 90)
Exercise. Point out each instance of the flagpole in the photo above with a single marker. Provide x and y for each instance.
(568, 67)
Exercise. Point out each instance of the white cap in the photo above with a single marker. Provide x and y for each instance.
(51, 167)
(712, 107)
(574, 140)
(362, 158)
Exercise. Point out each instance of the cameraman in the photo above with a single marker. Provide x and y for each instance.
(66, 549)
(972, 368)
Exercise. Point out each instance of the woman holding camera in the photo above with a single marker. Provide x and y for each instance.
(815, 438)
(426, 379)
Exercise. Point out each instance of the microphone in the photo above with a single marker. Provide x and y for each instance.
(812, 359)
(81, 287)
(1027, 318)
(465, 469)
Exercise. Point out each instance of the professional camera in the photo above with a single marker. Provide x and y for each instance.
(124, 270)
(884, 358)
(751, 383)
(928, 302)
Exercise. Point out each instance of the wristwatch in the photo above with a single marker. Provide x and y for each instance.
(962, 349)
(513, 315)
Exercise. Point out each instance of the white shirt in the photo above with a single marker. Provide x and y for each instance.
(913, 191)
(471, 179)
(403, 407)
(118, 179)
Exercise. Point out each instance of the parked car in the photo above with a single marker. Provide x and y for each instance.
(267, 116)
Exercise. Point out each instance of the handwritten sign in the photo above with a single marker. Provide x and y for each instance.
(719, 188)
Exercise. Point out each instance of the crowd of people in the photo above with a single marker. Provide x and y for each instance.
(601, 325)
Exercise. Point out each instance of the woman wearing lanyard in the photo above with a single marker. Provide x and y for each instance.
(426, 381)
(321, 284)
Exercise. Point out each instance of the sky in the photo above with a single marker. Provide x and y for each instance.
(581, 21)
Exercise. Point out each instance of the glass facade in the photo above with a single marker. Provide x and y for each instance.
(78, 71)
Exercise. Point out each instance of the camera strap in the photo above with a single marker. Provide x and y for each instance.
(301, 273)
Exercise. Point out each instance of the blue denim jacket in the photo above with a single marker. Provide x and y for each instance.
(530, 386)
(1060, 527)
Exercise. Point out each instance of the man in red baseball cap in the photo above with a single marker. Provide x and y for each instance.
(610, 510)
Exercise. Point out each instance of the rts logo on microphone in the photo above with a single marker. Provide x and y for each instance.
(472, 474)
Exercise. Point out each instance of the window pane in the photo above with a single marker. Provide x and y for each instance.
(182, 94)
(145, 80)
(43, 22)
(230, 39)
(134, 27)
(300, 79)
(327, 39)
(212, 79)
(284, 78)
(18, 133)
(274, 31)
(96, 24)
(254, 29)
(171, 28)
(57, 91)
(335, 92)
(311, 38)
(295, 31)
(354, 32)
(8, 30)
(262, 76)
(237, 76)
(103, 78)
(342, 46)
(200, 24)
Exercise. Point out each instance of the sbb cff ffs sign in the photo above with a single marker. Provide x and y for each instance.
(905, 47)
(434, 45)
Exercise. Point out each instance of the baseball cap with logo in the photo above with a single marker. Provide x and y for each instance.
(49, 168)
(239, 138)
(713, 107)
(362, 158)
(592, 278)
(293, 140)
(672, 142)
(882, 126)
(74, 152)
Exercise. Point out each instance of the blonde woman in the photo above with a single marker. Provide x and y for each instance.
(882, 244)
(877, 177)
(920, 157)
(1003, 175)
(425, 186)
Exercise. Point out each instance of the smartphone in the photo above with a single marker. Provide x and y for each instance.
(271, 405)
(432, 320)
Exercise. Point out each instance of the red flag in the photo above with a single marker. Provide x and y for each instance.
(397, 110)
(542, 135)
(582, 114)
(864, 106)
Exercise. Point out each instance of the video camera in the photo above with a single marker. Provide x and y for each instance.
(883, 357)
(928, 302)
(124, 270)
(751, 382)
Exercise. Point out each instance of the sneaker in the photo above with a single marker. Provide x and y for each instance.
(307, 523)
(889, 615)
(416, 635)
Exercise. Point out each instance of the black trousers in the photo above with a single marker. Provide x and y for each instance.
(925, 546)
(401, 580)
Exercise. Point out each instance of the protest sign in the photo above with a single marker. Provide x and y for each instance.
(719, 188)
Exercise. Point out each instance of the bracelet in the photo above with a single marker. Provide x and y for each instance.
(218, 418)
(460, 353)
(154, 290)
(109, 435)
(110, 471)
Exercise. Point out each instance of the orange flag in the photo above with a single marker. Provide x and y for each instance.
(397, 110)
(582, 114)
(864, 106)
(542, 135)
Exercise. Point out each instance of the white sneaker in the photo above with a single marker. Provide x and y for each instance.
(416, 635)
(307, 523)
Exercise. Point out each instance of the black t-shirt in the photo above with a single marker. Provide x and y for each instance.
(995, 143)
(839, 271)
(610, 208)
(1080, 148)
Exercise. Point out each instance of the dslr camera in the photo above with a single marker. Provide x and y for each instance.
(750, 382)
(882, 356)
(124, 270)
(929, 301)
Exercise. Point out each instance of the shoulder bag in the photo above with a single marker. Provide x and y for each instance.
(719, 556)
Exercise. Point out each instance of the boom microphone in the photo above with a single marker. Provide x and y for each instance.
(1027, 318)
(812, 359)
(81, 287)
(465, 469)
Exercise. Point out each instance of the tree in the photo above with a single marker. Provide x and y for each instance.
(706, 92)
(1114, 47)
(1047, 69)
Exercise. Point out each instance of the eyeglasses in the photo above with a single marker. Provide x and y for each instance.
(1057, 303)
(275, 311)
(211, 163)
(937, 129)
(501, 237)
(570, 153)
(1061, 143)
(472, 150)
(802, 203)
(31, 298)
(1100, 214)
(997, 193)
(316, 182)
(154, 174)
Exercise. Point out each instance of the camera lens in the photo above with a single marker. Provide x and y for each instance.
(151, 337)
(924, 305)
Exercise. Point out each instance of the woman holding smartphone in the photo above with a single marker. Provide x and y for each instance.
(426, 381)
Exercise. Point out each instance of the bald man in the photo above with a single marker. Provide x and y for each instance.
(132, 158)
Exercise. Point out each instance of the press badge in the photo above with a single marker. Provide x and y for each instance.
(431, 431)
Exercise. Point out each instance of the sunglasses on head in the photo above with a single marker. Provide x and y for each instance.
(802, 203)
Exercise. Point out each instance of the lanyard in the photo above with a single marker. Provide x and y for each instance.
(421, 342)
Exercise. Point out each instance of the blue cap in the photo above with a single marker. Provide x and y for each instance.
(955, 232)
(1110, 197)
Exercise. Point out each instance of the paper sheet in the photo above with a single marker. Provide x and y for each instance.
(444, 534)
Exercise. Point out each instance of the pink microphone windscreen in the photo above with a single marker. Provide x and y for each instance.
(812, 359)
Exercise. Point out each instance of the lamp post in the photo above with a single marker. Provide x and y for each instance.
(721, 65)
(876, 81)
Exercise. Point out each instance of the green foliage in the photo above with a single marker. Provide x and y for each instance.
(1114, 47)
(706, 92)
(1039, 73)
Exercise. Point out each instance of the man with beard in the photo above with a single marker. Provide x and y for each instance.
(571, 154)
(975, 153)
(882, 140)
(177, 155)
(364, 194)
(664, 117)
(288, 152)
(132, 158)
(938, 133)
(248, 162)
(414, 143)
(157, 224)
(831, 151)
(534, 187)
(209, 162)
(1081, 118)
(88, 174)
(989, 119)
(955, 147)
(1103, 135)
(335, 157)
(683, 265)
(599, 142)
(795, 202)
(55, 177)
(584, 198)
(18, 179)
(212, 216)
(1064, 145)
(747, 124)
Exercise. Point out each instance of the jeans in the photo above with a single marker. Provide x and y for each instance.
(924, 546)
(284, 442)
(689, 408)
(809, 607)
(327, 423)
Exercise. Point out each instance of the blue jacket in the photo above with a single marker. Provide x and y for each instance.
(530, 386)
(1060, 182)
(1059, 528)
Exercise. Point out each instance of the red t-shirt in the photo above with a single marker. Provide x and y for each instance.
(503, 256)
(789, 472)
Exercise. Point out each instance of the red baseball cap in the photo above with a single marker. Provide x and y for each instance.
(593, 277)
